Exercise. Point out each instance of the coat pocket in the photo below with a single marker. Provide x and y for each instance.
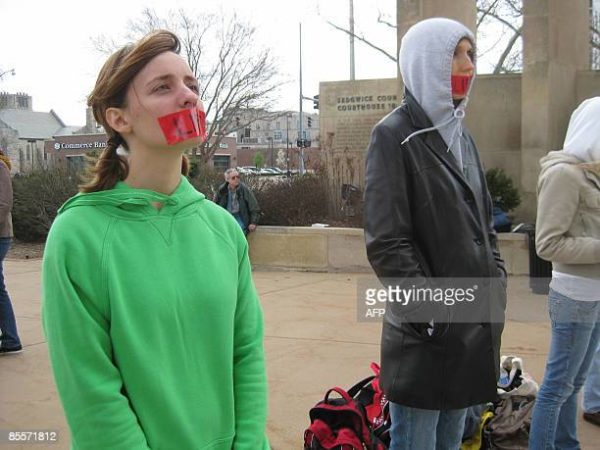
(591, 200)
(590, 214)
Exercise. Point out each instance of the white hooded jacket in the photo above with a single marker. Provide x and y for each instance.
(568, 214)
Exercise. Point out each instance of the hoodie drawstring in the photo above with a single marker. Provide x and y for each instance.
(458, 115)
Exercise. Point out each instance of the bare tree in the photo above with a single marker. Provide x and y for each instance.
(503, 17)
(234, 74)
(364, 40)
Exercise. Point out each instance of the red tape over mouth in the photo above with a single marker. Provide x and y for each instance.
(183, 125)
(460, 84)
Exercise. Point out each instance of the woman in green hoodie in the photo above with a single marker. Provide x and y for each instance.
(153, 322)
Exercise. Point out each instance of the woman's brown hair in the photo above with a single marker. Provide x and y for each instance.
(110, 91)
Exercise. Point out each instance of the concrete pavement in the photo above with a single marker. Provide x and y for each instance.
(313, 342)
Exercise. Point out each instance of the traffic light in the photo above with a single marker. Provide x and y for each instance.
(303, 143)
(316, 101)
(309, 121)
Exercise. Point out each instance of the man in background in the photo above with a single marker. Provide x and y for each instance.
(238, 199)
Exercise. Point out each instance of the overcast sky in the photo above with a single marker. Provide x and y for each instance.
(48, 43)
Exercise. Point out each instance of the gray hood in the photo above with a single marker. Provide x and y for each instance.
(426, 53)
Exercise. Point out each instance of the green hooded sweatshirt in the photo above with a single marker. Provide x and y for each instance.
(153, 323)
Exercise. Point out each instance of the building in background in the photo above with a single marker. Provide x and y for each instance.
(38, 140)
(227, 154)
(280, 128)
(69, 151)
(23, 131)
(276, 138)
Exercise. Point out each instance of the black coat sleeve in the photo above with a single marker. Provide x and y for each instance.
(493, 237)
(253, 208)
(389, 234)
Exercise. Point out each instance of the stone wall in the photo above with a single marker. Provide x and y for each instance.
(349, 110)
(493, 117)
(343, 249)
(588, 84)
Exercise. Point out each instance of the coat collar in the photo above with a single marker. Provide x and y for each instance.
(433, 139)
(417, 114)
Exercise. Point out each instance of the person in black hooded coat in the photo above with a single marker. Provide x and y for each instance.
(428, 216)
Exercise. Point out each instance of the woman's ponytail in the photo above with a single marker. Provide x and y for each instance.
(109, 169)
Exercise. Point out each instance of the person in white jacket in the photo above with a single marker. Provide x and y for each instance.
(568, 235)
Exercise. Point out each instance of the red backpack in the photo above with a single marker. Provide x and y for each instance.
(358, 420)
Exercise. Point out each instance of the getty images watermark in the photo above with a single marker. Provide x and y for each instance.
(468, 300)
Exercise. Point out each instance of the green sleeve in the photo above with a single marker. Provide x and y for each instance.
(250, 381)
(76, 321)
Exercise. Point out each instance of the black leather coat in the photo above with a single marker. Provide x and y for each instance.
(425, 218)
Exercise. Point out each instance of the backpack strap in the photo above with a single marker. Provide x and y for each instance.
(375, 368)
(345, 395)
(359, 386)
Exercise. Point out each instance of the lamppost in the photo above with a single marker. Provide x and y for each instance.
(270, 140)
(6, 72)
(287, 142)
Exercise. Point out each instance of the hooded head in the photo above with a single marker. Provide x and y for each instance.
(426, 56)
(583, 134)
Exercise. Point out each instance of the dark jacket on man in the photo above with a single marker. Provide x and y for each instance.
(6, 201)
(425, 218)
(249, 209)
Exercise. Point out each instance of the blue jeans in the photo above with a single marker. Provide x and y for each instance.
(575, 337)
(591, 388)
(424, 429)
(8, 325)
(241, 223)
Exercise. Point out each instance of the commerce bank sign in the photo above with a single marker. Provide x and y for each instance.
(79, 145)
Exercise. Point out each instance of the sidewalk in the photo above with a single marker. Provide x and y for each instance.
(313, 342)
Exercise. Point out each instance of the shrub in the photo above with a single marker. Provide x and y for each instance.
(205, 179)
(294, 201)
(502, 189)
(258, 160)
(37, 198)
